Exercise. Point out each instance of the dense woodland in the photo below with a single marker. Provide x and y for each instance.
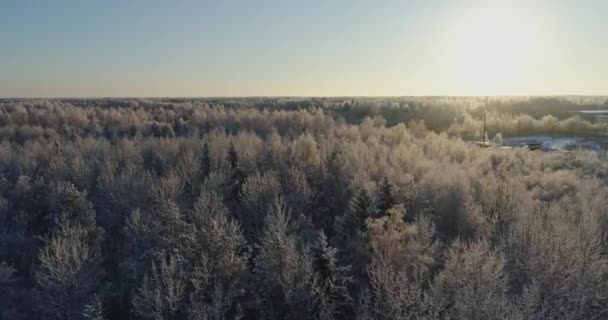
(296, 209)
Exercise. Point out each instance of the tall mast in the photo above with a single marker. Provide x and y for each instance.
(484, 127)
(483, 134)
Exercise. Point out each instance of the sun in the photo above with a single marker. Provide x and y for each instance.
(490, 49)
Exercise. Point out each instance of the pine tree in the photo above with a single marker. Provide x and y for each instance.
(6, 272)
(330, 291)
(331, 202)
(69, 204)
(168, 224)
(218, 260)
(205, 162)
(297, 191)
(69, 267)
(283, 270)
(161, 227)
(257, 198)
(94, 309)
(268, 160)
(232, 157)
(68, 272)
(359, 209)
(12, 294)
(237, 176)
(162, 292)
(188, 195)
(386, 196)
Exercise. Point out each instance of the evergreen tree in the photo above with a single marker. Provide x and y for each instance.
(218, 262)
(13, 294)
(283, 271)
(237, 175)
(162, 292)
(94, 309)
(257, 197)
(6, 273)
(232, 157)
(297, 191)
(205, 168)
(359, 209)
(330, 291)
(159, 228)
(386, 196)
(188, 194)
(69, 204)
(68, 273)
(329, 202)
(268, 160)
(168, 225)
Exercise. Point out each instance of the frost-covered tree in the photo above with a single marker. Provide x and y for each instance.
(68, 272)
(473, 284)
(283, 270)
(407, 247)
(94, 309)
(219, 262)
(331, 295)
(67, 204)
(176, 200)
(385, 197)
(162, 291)
(393, 295)
(237, 175)
(360, 208)
(297, 191)
(258, 194)
(205, 166)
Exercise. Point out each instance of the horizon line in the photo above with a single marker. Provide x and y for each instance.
(299, 96)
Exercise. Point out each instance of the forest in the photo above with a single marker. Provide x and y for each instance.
(299, 208)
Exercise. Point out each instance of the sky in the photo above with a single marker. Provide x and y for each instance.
(150, 48)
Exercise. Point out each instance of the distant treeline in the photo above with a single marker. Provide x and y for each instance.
(457, 115)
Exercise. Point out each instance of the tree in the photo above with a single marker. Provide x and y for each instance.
(393, 295)
(258, 195)
(13, 293)
(305, 151)
(150, 232)
(219, 261)
(205, 169)
(385, 198)
(360, 208)
(237, 175)
(283, 270)
(162, 292)
(297, 191)
(331, 286)
(408, 248)
(473, 284)
(69, 204)
(68, 272)
(6, 273)
(94, 309)
(329, 202)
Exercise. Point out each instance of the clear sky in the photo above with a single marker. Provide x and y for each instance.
(137, 48)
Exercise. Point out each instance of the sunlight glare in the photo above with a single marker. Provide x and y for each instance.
(491, 49)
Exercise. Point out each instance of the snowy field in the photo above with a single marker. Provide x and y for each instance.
(559, 142)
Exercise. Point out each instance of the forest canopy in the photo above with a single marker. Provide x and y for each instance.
(299, 208)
